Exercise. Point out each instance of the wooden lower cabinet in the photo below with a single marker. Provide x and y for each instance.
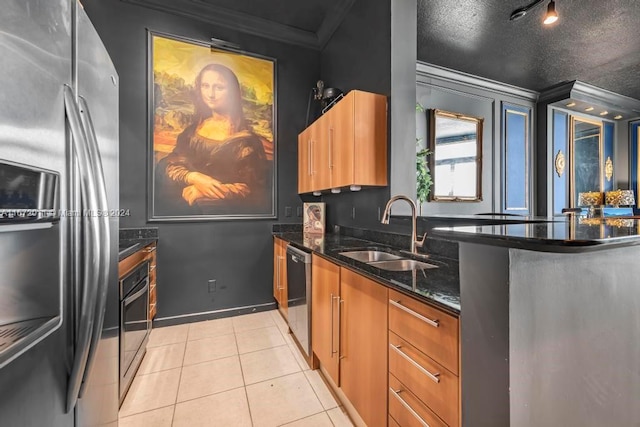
(423, 364)
(394, 358)
(151, 255)
(280, 274)
(325, 301)
(363, 343)
(148, 253)
(407, 410)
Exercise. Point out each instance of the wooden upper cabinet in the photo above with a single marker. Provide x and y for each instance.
(305, 178)
(346, 146)
(320, 153)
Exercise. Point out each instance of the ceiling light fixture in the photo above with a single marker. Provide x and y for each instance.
(552, 15)
(604, 113)
(618, 117)
(519, 13)
(571, 104)
(589, 109)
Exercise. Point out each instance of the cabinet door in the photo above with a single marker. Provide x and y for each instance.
(363, 346)
(320, 153)
(284, 301)
(370, 139)
(304, 162)
(340, 141)
(325, 300)
(276, 269)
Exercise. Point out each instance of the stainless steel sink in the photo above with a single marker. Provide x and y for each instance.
(402, 265)
(370, 256)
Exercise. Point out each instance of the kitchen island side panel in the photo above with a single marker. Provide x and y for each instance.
(484, 335)
(574, 338)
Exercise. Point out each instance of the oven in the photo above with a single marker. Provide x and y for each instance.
(135, 325)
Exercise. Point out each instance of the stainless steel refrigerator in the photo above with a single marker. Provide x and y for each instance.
(59, 318)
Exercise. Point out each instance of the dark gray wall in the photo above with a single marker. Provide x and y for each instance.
(358, 56)
(236, 253)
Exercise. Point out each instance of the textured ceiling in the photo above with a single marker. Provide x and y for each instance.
(302, 14)
(308, 23)
(594, 41)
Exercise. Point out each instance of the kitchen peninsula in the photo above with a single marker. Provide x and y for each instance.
(550, 322)
(548, 315)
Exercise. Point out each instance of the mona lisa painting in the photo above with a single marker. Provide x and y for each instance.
(212, 132)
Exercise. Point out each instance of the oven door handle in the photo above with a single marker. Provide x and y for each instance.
(128, 300)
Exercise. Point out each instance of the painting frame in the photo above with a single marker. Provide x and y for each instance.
(257, 205)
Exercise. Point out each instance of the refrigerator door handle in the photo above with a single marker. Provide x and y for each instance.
(103, 216)
(91, 258)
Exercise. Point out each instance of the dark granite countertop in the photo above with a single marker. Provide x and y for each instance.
(558, 235)
(438, 286)
(133, 239)
(130, 246)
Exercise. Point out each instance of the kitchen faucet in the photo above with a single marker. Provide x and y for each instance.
(415, 243)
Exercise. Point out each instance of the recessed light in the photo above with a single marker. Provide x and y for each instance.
(618, 117)
(604, 113)
(571, 104)
(589, 109)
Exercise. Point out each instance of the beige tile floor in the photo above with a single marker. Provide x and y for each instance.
(238, 371)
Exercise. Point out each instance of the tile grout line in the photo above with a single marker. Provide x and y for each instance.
(184, 355)
(244, 383)
(303, 418)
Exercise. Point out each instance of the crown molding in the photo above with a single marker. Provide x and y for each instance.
(425, 70)
(246, 23)
(591, 95)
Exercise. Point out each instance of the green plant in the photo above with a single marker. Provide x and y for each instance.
(423, 174)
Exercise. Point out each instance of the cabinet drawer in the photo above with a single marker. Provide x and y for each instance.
(407, 410)
(427, 380)
(392, 422)
(428, 329)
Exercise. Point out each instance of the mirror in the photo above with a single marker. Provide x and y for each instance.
(586, 157)
(455, 141)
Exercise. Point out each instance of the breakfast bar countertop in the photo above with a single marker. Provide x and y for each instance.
(577, 234)
(438, 286)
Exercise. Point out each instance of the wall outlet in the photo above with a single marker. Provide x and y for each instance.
(287, 211)
(211, 283)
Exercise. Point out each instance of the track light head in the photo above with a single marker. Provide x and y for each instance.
(552, 15)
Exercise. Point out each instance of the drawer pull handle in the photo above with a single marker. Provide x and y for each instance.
(431, 322)
(396, 394)
(433, 377)
(149, 250)
(153, 267)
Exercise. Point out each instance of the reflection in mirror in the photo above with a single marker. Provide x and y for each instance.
(586, 164)
(456, 163)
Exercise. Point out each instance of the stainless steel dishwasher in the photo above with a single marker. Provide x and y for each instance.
(299, 296)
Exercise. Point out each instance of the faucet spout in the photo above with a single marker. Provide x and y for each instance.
(415, 243)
